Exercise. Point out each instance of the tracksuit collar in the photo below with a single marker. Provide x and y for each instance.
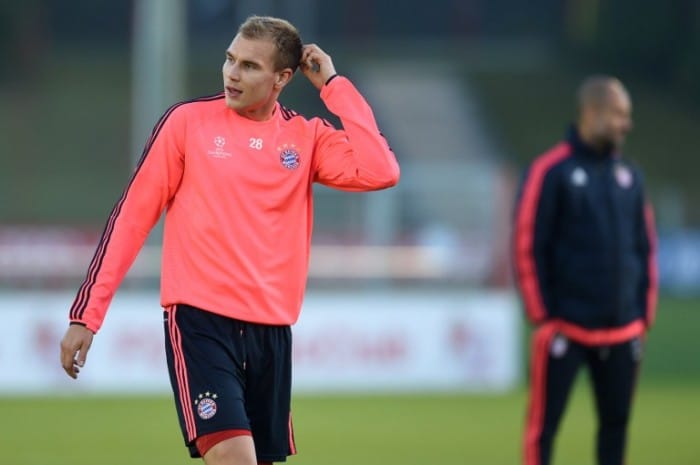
(580, 147)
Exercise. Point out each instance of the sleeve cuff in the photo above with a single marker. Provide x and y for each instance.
(331, 78)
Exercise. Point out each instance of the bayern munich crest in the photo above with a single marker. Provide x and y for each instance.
(206, 405)
(623, 176)
(289, 157)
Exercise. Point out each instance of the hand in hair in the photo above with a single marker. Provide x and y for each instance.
(316, 65)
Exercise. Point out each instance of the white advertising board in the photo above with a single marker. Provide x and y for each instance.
(343, 342)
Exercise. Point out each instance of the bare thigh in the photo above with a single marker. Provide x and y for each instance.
(239, 450)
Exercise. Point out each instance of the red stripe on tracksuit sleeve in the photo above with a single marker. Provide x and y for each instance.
(653, 289)
(524, 237)
(99, 285)
(81, 300)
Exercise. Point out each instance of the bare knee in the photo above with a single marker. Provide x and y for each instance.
(238, 450)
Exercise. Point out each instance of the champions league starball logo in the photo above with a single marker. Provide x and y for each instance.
(289, 157)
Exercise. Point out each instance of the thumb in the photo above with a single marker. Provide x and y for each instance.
(82, 352)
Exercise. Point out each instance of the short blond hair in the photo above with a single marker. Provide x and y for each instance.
(281, 32)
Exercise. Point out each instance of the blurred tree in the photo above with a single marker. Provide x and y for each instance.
(581, 21)
(658, 41)
(89, 20)
(688, 73)
(24, 36)
(645, 36)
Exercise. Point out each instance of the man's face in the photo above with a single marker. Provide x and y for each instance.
(251, 83)
(613, 119)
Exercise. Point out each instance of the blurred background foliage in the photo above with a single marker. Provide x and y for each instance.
(65, 82)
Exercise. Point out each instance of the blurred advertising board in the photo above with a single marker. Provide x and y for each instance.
(679, 262)
(344, 342)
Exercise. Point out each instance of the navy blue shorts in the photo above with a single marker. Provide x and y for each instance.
(230, 374)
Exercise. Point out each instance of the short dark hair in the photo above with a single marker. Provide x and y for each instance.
(281, 32)
(596, 90)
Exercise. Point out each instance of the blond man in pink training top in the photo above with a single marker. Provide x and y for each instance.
(234, 173)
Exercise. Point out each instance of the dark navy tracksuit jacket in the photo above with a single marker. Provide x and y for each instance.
(584, 244)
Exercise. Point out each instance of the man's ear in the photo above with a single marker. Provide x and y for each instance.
(283, 77)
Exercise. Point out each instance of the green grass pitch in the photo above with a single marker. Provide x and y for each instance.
(342, 430)
(385, 430)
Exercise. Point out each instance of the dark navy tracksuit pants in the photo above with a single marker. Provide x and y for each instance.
(555, 363)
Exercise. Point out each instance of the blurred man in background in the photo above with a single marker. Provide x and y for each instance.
(585, 266)
(234, 174)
